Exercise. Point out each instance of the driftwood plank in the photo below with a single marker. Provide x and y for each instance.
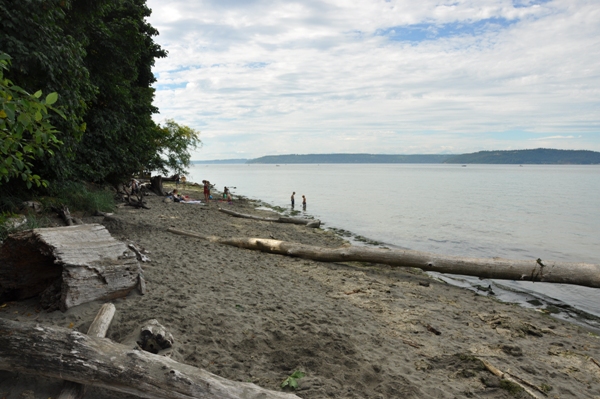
(307, 222)
(98, 328)
(70, 355)
(584, 274)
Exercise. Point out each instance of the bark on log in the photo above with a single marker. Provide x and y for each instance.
(98, 328)
(308, 222)
(584, 274)
(66, 354)
(67, 265)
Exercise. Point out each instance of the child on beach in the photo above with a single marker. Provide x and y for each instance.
(303, 202)
(176, 196)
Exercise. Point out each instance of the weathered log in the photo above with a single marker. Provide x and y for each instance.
(308, 222)
(98, 328)
(584, 274)
(156, 185)
(69, 265)
(70, 355)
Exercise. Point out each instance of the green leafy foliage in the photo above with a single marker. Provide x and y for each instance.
(26, 133)
(174, 142)
(97, 57)
(292, 381)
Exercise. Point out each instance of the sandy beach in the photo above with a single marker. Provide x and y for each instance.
(356, 330)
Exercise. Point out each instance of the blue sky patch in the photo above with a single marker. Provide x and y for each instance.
(170, 86)
(528, 3)
(256, 65)
(422, 32)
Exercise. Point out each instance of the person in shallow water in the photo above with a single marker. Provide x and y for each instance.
(292, 198)
(303, 202)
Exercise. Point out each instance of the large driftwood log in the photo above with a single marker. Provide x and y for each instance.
(98, 328)
(308, 222)
(156, 185)
(584, 274)
(68, 266)
(70, 355)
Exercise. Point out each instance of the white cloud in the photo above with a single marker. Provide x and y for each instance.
(271, 77)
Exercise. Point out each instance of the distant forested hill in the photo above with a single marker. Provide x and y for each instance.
(222, 161)
(350, 158)
(537, 156)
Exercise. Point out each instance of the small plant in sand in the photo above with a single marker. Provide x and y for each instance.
(292, 380)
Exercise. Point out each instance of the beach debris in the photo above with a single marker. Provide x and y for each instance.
(106, 215)
(584, 274)
(139, 252)
(434, 330)
(355, 291)
(62, 353)
(315, 223)
(65, 214)
(520, 382)
(36, 206)
(155, 338)
(67, 266)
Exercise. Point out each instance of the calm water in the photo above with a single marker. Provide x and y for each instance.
(528, 212)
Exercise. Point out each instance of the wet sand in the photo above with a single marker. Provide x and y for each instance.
(356, 330)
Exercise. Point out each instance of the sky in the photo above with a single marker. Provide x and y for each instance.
(270, 77)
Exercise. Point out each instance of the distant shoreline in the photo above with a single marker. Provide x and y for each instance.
(539, 156)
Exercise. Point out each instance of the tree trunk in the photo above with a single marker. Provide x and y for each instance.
(68, 266)
(308, 222)
(156, 185)
(66, 354)
(584, 274)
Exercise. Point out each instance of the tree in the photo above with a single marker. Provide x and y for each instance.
(46, 57)
(98, 55)
(174, 142)
(25, 131)
(121, 135)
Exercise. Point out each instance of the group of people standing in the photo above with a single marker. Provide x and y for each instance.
(303, 201)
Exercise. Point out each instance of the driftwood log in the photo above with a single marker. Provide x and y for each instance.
(65, 214)
(70, 355)
(156, 185)
(584, 274)
(307, 222)
(98, 328)
(67, 266)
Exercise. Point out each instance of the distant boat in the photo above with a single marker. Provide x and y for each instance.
(276, 165)
(464, 166)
